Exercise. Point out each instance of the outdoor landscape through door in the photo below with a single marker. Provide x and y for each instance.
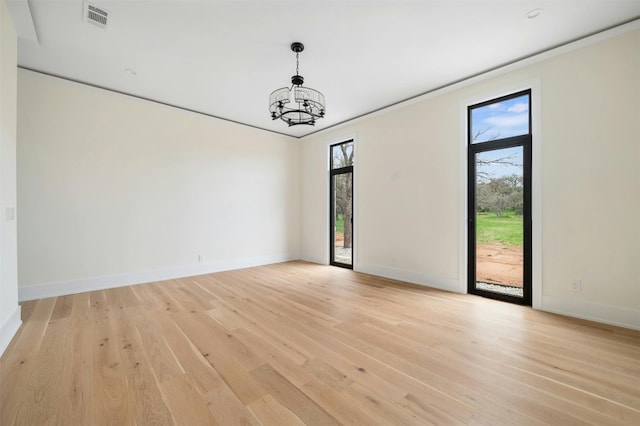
(341, 204)
(499, 199)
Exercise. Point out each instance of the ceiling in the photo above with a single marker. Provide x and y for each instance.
(223, 58)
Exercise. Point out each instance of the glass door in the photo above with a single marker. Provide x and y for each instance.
(341, 205)
(499, 221)
(499, 216)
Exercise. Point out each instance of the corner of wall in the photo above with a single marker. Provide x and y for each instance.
(9, 308)
(9, 328)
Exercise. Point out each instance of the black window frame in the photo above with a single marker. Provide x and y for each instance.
(526, 142)
(332, 205)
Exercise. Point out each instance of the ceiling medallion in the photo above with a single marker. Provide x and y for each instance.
(298, 104)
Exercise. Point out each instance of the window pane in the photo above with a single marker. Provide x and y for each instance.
(500, 120)
(500, 221)
(343, 214)
(342, 155)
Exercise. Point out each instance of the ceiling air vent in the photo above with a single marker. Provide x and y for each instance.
(95, 15)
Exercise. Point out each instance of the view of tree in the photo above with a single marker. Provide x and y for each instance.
(499, 194)
(343, 157)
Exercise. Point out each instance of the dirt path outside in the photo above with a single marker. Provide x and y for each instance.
(499, 264)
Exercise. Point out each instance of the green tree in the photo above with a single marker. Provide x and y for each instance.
(500, 193)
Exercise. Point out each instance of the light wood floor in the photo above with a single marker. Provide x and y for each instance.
(299, 343)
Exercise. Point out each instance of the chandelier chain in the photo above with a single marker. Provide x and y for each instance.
(297, 63)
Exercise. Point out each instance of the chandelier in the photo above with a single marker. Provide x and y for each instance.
(306, 104)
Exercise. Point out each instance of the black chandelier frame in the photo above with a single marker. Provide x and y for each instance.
(306, 105)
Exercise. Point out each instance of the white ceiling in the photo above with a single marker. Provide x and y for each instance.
(223, 58)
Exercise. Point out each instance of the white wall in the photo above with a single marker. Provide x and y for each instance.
(9, 309)
(409, 179)
(115, 190)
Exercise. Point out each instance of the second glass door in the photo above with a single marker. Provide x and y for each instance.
(341, 210)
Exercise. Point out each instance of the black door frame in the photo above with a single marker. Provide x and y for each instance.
(332, 206)
(524, 141)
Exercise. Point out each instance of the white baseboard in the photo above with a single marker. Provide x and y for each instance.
(606, 314)
(62, 288)
(622, 317)
(9, 328)
(314, 259)
(448, 284)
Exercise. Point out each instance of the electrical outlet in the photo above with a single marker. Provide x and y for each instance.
(200, 258)
(576, 285)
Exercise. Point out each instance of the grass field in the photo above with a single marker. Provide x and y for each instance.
(340, 224)
(506, 229)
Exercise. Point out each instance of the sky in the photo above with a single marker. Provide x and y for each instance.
(501, 119)
(510, 155)
(497, 121)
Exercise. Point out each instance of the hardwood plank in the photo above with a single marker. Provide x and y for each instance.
(227, 317)
(109, 386)
(430, 373)
(381, 378)
(424, 409)
(62, 308)
(279, 333)
(337, 405)
(185, 402)
(51, 371)
(271, 412)
(179, 297)
(215, 395)
(469, 352)
(143, 385)
(19, 359)
(227, 409)
(79, 389)
(327, 374)
(276, 358)
(164, 293)
(194, 363)
(292, 397)
(163, 360)
(298, 343)
(197, 327)
(385, 410)
(488, 415)
(149, 297)
(227, 344)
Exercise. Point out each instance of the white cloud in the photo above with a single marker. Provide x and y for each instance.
(501, 121)
(497, 105)
(520, 107)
